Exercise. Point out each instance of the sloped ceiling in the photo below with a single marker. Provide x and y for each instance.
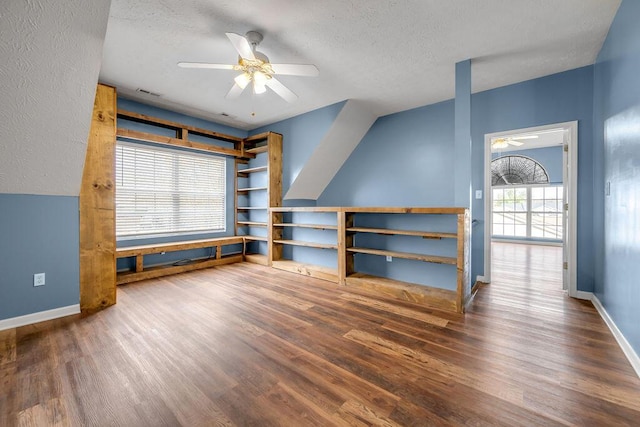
(391, 55)
(346, 132)
(51, 53)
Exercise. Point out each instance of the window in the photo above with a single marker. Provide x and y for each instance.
(533, 211)
(166, 191)
(517, 170)
(510, 212)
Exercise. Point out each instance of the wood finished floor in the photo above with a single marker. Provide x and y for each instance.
(247, 345)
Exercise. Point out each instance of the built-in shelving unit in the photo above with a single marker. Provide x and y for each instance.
(303, 228)
(349, 241)
(258, 187)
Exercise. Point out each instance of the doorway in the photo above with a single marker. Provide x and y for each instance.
(527, 193)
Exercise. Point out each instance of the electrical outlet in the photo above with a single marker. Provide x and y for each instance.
(389, 258)
(38, 279)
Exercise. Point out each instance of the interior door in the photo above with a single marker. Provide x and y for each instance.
(565, 212)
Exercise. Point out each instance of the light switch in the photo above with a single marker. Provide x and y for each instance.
(478, 194)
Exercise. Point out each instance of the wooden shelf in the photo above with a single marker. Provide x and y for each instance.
(436, 297)
(257, 138)
(319, 272)
(141, 118)
(252, 223)
(256, 238)
(165, 270)
(386, 231)
(307, 244)
(314, 226)
(256, 259)
(406, 255)
(403, 210)
(244, 190)
(347, 262)
(307, 209)
(250, 212)
(258, 150)
(252, 170)
(156, 248)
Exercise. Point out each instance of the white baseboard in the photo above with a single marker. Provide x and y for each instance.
(583, 295)
(482, 279)
(628, 351)
(40, 316)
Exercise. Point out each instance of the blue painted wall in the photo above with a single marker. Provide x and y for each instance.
(129, 105)
(617, 147)
(462, 135)
(557, 98)
(39, 234)
(549, 157)
(406, 159)
(301, 135)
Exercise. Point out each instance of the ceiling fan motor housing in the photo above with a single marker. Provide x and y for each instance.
(254, 38)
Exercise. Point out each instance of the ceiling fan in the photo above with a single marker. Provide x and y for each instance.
(254, 67)
(498, 143)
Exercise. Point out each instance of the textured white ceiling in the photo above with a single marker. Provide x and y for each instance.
(51, 54)
(392, 55)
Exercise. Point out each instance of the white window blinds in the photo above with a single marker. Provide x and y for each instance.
(165, 191)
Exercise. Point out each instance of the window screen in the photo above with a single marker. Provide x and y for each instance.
(166, 191)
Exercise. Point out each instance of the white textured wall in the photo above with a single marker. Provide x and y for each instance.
(50, 55)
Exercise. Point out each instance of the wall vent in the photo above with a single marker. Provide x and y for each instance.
(147, 92)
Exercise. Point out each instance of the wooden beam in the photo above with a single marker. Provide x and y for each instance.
(275, 170)
(97, 207)
(167, 140)
(259, 137)
(142, 118)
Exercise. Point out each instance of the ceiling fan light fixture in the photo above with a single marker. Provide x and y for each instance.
(500, 143)
(259, 82)
(260, 78)
(258, 88)
(242, 80)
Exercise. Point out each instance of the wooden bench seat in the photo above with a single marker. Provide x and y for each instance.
(142, 273)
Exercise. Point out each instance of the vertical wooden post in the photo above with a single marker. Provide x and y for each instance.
(345, 240)
(274, 165)
(274, 250)
(97, 207)
(274, 196)
(462, 263)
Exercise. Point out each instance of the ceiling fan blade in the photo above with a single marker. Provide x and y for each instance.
(281, 90)
(514, 142)
(525, 137)
(241, 44)
(205, 65)
(308, 70)
(234, 92)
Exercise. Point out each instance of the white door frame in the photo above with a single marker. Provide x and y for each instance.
(570, 188)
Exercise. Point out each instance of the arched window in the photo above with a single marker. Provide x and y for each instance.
(517, 170)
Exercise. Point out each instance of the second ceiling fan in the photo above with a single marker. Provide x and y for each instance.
(498, 143)
(255, 68)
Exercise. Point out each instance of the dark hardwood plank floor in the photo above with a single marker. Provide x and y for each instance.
(247, 345)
